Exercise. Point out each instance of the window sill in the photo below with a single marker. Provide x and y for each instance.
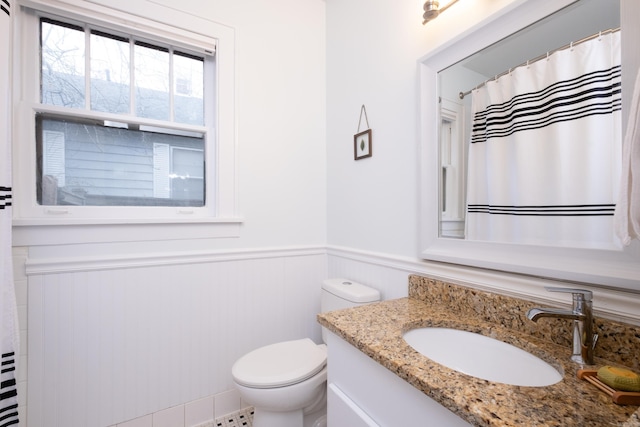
(37, 232)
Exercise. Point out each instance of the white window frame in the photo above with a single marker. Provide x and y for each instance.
(218, 218)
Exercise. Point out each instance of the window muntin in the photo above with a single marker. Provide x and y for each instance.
(82, 161)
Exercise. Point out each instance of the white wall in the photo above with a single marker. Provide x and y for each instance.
(281, 117)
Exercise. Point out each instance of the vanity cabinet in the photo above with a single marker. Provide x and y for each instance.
(361, 392)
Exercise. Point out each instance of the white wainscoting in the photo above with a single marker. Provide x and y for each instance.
(117, 338)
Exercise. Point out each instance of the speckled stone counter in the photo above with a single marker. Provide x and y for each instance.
(377, 330)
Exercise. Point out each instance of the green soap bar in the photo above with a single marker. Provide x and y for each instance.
(619, 378)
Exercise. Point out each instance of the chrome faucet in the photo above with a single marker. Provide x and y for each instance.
(584, 340)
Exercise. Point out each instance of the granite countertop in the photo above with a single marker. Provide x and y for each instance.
(377, 329)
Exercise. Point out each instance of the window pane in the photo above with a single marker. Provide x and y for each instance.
(187, 163)
(152, 82)
(82, 163)
(188, 74)
(62, 64)
(110, 73)
(186, 176)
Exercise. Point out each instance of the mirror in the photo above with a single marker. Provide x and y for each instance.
(522, 32)
(568, 25)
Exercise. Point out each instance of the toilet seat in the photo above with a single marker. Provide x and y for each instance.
(280, 364)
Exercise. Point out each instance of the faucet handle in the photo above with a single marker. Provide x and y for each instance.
(586, 295)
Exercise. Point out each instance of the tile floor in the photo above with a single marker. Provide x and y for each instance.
(242, 418)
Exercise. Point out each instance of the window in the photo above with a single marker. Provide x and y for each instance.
(122, 118)
(116, 163)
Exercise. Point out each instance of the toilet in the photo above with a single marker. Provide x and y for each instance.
(286, 382)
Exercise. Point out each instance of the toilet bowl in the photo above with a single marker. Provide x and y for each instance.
(286, 382)
(283, 381)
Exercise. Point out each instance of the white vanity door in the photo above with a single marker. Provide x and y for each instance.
(344, 412)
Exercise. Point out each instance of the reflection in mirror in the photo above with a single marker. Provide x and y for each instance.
(567, 27)
(452, 160)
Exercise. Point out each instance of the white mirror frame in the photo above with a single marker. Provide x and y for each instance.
(607, 268)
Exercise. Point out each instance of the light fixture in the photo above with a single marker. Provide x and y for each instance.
(432, 9)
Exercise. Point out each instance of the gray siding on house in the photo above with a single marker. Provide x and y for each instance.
(110, 163)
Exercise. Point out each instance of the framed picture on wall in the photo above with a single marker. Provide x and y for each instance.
(362, 145)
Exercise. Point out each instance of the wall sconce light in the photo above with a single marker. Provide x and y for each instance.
(432, 9)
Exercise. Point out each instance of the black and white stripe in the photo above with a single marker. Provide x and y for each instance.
(548, 210)
(591, 94)
(8, 391)
(8, 386)
(5, 197)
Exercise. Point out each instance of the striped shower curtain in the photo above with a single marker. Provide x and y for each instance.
(544, 158)
(8, 319)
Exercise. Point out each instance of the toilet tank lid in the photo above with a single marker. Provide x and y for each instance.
(350, 290)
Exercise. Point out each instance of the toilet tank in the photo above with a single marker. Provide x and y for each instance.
(343, 293)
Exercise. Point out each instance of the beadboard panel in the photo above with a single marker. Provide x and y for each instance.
(113, 343)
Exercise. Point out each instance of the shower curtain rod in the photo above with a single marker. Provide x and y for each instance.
(543, 56)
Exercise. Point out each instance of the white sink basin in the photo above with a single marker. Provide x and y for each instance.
(482, 357)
